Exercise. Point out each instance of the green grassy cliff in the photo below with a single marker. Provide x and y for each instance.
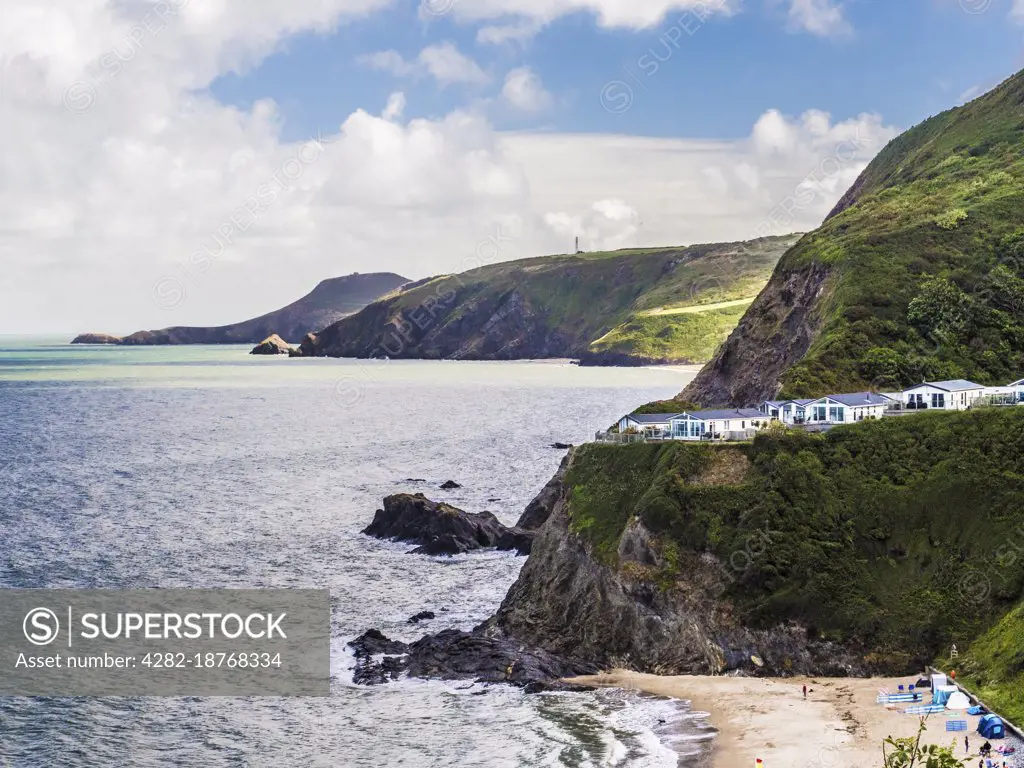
(889, 537)
(917, 273)
(622, 307)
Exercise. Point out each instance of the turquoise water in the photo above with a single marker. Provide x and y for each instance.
(208, 467)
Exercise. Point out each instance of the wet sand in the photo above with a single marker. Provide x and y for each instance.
(839, 725)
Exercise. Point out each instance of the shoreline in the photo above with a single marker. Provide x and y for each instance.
(839, 724)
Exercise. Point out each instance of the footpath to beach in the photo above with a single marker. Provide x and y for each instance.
(839, 725)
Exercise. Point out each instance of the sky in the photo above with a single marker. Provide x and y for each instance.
(198, 162)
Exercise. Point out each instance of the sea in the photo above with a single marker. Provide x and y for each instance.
(150, 467)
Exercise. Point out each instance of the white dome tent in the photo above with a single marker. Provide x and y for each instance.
(958, 701)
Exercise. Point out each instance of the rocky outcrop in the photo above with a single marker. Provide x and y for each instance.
(572, 612)
(330, 301)
(272, 345)
(570, 603)
(456, 655)
(449, 485)
(775, 333)
(441, 529)
(96, 338)
(306, 348)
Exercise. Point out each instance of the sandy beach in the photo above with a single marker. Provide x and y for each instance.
(839, 725)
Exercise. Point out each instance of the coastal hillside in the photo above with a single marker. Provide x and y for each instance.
(872, 548)
(330, 301)
(918, 272)
(630, 307)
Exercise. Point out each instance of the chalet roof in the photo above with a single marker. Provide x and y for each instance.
(734, 413)
(953, 385)
(651, 418)
(857, 399)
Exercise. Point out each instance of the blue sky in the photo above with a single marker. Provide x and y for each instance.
(178, 187)
(904, 60)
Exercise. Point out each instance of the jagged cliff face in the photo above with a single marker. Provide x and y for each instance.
(918, 272)
(571, 603)
(773, 335)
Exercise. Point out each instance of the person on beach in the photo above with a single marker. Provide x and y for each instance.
(967, 744)
(805, 691)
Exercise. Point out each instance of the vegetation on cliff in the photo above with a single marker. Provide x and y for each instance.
(918, 273)
(873, 535)
(622, 307)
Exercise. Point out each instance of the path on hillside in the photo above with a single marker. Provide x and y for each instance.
(697, 308)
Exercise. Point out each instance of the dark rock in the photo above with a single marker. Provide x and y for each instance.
(96, 338)
(272, 345)
(415, 480)
(373, 642)
(307, 348)
(516, 539)
(370, 671)
(421, 616)
(448, 485)
(457, 655)
(489, 658)
(441, 529)
(562, 446)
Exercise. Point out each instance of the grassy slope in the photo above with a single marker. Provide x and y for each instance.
(938, 202)
(993, 667)
(878, 532)
(692, 337)
(589, 296)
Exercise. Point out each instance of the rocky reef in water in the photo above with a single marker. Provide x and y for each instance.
(441, 529)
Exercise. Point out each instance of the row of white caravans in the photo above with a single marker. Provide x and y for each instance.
(739, 423)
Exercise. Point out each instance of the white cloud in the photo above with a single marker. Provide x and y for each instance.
(136, 181)
(444, 62)
(524, 91)
(1017, 12)
(819, 17)
(635, 14)
(448, 65)
(500, 34)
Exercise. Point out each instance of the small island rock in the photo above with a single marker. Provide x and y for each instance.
(96, 338)
(272, 345)
(448, 485)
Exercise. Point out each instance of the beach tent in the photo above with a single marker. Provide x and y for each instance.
(938, 681)
(941, 693)
(991, 727)
(958, 701)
